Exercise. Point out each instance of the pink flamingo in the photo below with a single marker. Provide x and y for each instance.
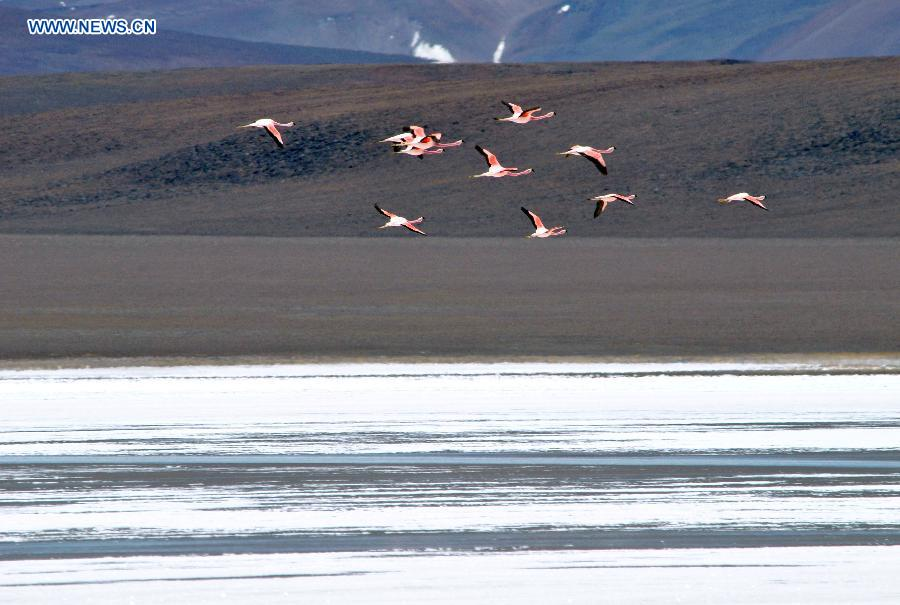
(604, 200)
(271, 127)
(494, 167)
(756, 200)
(399, 221)
(416, 150)
(432, 140)
(414, 135)
(437, 137)
(594, 155)
(523, 116)
(539, 229)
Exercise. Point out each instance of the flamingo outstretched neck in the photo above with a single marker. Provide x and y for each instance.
(271, 127)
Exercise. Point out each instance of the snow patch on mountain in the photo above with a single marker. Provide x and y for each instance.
(433, 52)
(498, 53)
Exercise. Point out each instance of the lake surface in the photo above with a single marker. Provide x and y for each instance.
(522, 482)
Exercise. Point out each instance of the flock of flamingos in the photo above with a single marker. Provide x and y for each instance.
(417, 143)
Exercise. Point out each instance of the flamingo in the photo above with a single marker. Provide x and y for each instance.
(604, 200)
(437, 137)
(399, 221)
(756, 200)
(432, 140)
(414, 135)
(594, 155)
(523, 116)
(539, 229)
(271, 127)
(416, 151)
(494, 167)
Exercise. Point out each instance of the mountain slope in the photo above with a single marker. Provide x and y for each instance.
(21, 53)
(647, 30)
(159, 152)
(461, 30)
(846, 29)
(533, 30)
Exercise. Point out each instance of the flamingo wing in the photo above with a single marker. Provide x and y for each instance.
(516, 109)
(490, 157)
(398, 138)
(384, 212)
(596, 158)
(535, 219)
(601, 206)
(425, 143)
(412, 227)
(756, 202)
(273, 132)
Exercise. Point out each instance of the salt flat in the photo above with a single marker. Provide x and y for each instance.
(741, 576)
(315, 481)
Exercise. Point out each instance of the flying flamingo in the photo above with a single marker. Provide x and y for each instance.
(756, 200)
(416, 151)
(271, 127)
(539, 229)
(604, 200)
(594, 155)
(432, 140)
(494, 167)
(414, 135)
(399, 221)
(437, 137)
(520, 116)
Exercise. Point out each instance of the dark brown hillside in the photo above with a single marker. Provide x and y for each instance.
(158, 152)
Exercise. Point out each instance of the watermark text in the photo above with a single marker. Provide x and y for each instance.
(92, 27)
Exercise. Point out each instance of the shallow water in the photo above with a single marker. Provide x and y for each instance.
(539, 460)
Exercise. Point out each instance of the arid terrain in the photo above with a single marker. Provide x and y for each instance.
(208, 346)
(159, 152)
(140, 156)
(427, 298)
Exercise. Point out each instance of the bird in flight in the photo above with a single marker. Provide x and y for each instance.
(417, 149)
(494, 168)
(604, 200)
(271, 127)
(437, 141)
(756, 200)
(399, 221)
(539, 229)
(413, 135)
(594, 155)
(523, 116)
(433, 140)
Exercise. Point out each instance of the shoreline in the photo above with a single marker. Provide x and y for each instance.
(803, 363)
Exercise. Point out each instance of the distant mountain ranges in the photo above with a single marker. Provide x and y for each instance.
(21, 53)
(242, 32)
